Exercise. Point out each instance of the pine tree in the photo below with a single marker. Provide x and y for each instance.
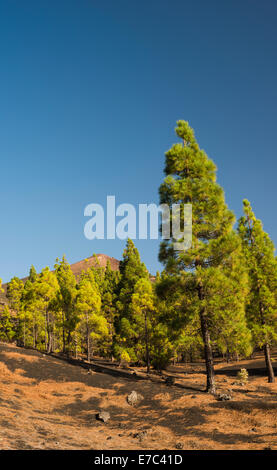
(7, 326)
(131, 270)
(178, 317)
(27, 313)
(15, 290)
(14, 293)
(143, 308)
(262, 268)
(45, 289)
(108, 295)
(98, 273)
(66, 300)
(32, 274)
(191, 178)
(88, 305)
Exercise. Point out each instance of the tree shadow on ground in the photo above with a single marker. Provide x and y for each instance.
(39, 367)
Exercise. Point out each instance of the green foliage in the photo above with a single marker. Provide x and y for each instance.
(131, 271)
(262, 269)
(242, 376)
(109, 298)
(14, 293)
(66, 297)
(7, 325)
(261, 307)
(143, 307)
(161, 348)
(91, 321)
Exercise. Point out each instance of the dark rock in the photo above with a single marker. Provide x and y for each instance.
(140, 435)
(224, 397)
(122, 425)
(179, 445)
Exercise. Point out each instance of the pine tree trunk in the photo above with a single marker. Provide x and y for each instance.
(268, 362)
(35, 336)
(208, 354)
(45, 337)
(24, 341)
(88, 344)
(76, 346)
(207, 347)
(49, 347)
(228, 356)
(146, 344)
(68, 343)
(63, 334)
(48, 337)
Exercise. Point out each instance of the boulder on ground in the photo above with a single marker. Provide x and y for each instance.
(103, 416)
(134, 398)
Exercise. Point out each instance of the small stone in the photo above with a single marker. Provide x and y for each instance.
(103, 416)
(179, 445)
(122, 425)
(224, 397)
(140, 435)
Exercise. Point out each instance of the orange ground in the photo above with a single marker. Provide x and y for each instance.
(48, 404)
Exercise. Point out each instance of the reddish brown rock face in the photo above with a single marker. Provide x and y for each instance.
(85, 264)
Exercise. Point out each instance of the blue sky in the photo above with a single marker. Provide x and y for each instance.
(90, 93)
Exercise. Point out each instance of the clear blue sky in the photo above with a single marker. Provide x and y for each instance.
(89, 95)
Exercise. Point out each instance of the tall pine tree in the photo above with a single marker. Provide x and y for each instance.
(15, 290)
(131, 270)
(66, 300)
(45, 290)
(191, 178)
(262, 269)
(108, 294)
(92, 324)
(143, 306)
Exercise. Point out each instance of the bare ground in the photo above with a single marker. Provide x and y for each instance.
(48, 404)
